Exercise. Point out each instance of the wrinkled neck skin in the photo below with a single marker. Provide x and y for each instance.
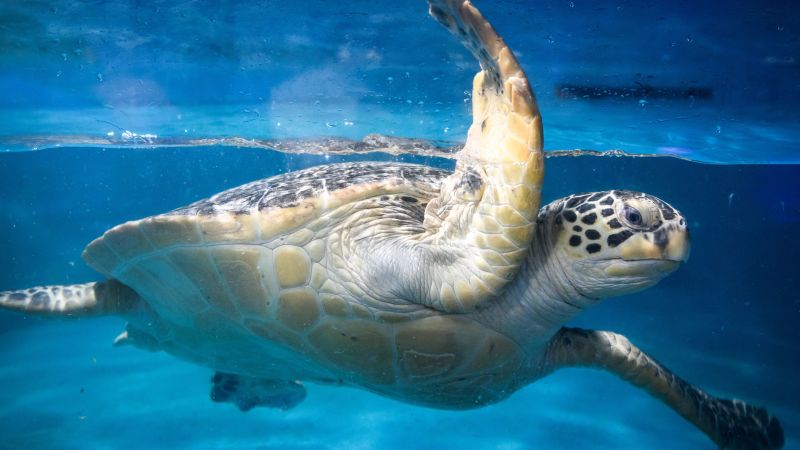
(540, 300)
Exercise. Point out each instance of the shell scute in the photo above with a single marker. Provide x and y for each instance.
(361, 348)
(239, 268)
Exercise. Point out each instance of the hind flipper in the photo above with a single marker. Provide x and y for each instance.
(76, 300)
(731, 424)
(247, 392)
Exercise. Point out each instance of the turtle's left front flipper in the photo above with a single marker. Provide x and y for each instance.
(248, 392)
(731, 424)
(72, 301)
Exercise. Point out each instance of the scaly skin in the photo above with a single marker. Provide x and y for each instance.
(478, 229)
(731, 424)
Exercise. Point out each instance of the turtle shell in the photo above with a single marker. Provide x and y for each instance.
(241, 282)
(235, 251)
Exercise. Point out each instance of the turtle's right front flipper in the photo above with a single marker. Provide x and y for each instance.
(731, 424)
(75, 300)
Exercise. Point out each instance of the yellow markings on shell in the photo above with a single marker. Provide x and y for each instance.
(280, 221)
(300, 237)
(229, 228)
(298, 308)
(360, 347)
(316, 249)
(196, 264)
(238, 267)
(292, 266)
(319, 275)
(334, 305)
(219, 224)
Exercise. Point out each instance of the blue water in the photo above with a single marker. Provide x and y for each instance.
(726, 320)
(75, 73)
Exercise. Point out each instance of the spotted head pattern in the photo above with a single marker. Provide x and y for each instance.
(613, 242)
(594, 222)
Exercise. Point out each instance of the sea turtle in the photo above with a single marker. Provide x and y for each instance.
(442, 289)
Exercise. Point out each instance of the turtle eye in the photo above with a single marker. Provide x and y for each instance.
(632, 216)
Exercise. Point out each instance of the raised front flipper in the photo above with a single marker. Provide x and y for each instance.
(731, 424)
(247, 393)
(478, 229)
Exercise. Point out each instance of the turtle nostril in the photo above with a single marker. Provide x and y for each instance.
(660, 238)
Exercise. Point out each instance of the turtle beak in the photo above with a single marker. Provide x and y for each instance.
(678, 244)
(670, 243)
(673, 241)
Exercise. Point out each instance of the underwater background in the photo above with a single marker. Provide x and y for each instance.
(113, 111)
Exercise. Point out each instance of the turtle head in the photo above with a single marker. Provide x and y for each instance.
(615, 242)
